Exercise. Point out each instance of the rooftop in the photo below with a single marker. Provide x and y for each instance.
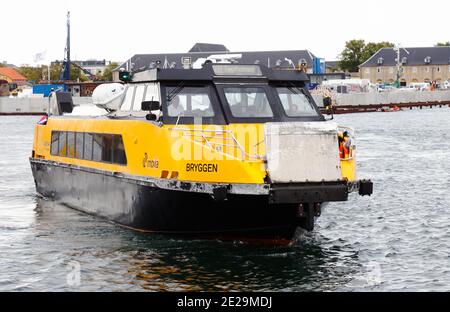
(415, 57)
(11, 73)
(208, 47)
(268, 58)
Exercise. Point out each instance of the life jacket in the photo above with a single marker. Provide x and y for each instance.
(341, 145)
(344, 151)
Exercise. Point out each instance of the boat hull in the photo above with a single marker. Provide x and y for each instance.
(143, 207)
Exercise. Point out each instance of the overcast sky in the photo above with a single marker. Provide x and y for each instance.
(115, 30)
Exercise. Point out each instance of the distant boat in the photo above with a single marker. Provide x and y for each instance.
(388, 109)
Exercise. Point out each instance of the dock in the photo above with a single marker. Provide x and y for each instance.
(349, 109)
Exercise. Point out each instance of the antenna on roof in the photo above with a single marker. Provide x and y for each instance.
(290, 62)
(397, 48)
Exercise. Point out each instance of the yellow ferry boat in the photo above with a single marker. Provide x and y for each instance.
(227, 151)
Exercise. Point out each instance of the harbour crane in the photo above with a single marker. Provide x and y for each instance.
(65, 73)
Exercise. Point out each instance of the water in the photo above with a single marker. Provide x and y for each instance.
(398, 239)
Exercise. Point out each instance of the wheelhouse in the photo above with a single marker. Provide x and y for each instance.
(222, 94)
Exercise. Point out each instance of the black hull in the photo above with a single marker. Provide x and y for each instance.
(146, 208)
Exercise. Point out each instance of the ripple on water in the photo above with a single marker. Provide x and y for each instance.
(397, 239)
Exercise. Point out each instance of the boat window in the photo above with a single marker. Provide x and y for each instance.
(119, 156)
(128, 99)
(97, 147)
(248, 102)
(88, 141)
(138, 97)
(295, 102)
(55, 140)
(189, 102)
(62, 145)
(79, 145)
(152, 92)
(70, 144)
(107, 150)
(102, 147)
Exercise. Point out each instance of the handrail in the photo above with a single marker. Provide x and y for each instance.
(232, 138)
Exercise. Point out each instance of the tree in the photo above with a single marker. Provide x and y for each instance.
(373, 47)
(357, 52)
(442, 44)
(107, 73)
(39, 74)
(33, 74)
(350, 58)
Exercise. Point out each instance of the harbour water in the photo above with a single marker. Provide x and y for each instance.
(396, 240)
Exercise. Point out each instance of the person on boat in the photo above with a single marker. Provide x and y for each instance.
(347, 144)
(344, 145)
(341, 144)
(175, 108)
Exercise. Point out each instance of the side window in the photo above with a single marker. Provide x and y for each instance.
(62, 146)
(152, 92)
(138, 97)
(55, 140)
(119, 156)
(97, 147)
(107, 148)
(128, 99)
(71, 144)
(295, 102)
(79, 145)
(88, 141)
(107, 144)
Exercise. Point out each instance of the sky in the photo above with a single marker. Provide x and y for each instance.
(116, 30)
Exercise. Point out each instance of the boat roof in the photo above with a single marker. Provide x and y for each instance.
(216, 71)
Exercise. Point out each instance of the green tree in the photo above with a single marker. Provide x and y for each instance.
(373, 47)
(442, 44)
(33, 74)
(107, 73)
(39, 74)
(357, 52)
(350, 58)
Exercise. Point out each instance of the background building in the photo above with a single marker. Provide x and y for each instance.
(92, 67)
(12, 76)
(95, 67)
(418, 65)
(280, 59)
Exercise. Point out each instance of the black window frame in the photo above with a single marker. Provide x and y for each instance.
(273, 103)
(82, 156)
(62, 133)
(54, 143)
(72, 135)
(217, 119)
(308, 95)
(88, 135)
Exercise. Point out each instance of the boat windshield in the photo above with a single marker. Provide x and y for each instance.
(190, 102)
(248, 102)
(295, 102)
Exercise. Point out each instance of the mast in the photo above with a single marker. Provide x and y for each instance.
(65, 74)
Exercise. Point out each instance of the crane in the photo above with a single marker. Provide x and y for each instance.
(65, 73)
(397, 48)
(85, 71)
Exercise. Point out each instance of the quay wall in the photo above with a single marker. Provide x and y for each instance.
(39, 105)
(32, 105)
(395, 97)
